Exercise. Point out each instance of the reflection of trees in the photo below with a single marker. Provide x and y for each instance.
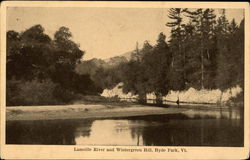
(159, 136)
(149, 130)
(83, 128)
(59, 132)
(154, 134)
(174, 131)
(171, 134)
(136, 131)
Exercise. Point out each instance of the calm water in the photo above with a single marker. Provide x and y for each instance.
(192, 128)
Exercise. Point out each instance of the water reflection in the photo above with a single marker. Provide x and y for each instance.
(192, 128)
(108, 132)
(59, 132)
(219, 113)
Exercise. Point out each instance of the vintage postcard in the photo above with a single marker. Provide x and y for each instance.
(124, 80)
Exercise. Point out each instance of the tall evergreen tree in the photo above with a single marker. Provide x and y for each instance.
(204, 20)
(175, 14)
(176, 48)
(222, 38)
(134, 75)
(156, 63)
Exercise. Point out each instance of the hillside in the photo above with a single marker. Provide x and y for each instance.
(90, 66)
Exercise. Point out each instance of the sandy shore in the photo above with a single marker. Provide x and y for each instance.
(83, 111)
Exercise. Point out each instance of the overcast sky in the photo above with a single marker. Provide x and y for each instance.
(101, 32)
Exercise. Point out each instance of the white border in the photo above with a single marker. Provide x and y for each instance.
(66, 152)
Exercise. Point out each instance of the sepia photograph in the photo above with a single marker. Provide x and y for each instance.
(124, 76)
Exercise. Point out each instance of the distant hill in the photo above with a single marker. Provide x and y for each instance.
(113, 61)
(127, 55)
(91, 66)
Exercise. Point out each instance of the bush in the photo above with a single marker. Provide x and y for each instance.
(30, 92)
(238, 100)
(13, 92)
(63, 95)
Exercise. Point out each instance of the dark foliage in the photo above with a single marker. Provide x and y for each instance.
(41, 70)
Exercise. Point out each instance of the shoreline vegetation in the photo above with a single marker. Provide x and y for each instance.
(203, 53)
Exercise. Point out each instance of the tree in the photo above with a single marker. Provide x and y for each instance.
(66, 54)
(223, 70)
(203, 20)
(35, 34)
(133, 74)
(176, 31)
(27, 53)
(178, 71)
(240, 48)
(33, 57)
(236, 50)
(230, 61)
(190, 63)
(106, 78)
(156, 63)
(67, 51)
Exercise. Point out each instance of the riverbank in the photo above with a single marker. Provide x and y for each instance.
(100, 110)
(84, 111)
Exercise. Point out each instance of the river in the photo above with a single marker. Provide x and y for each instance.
(191, 128)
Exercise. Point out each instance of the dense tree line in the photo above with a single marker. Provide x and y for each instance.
(41, 70)
(204, 52)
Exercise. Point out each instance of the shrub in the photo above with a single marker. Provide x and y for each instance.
(38, 93)
(30, 92)
(63, 95)
(238, 100)
(13, 92)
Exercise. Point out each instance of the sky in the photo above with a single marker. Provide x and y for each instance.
(101, 32)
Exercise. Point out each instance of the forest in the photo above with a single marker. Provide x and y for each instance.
(203, 51)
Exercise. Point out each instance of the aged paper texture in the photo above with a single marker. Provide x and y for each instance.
(124, 80)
